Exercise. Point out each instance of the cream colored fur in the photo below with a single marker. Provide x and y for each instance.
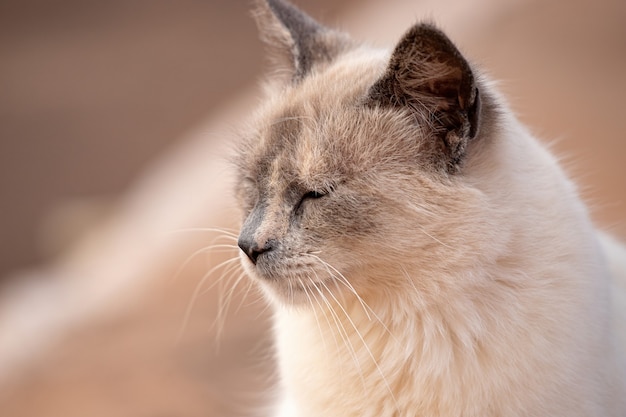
(488, 294)
(527, 333)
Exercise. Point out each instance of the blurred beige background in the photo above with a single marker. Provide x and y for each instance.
(91, 91)
(111, 116)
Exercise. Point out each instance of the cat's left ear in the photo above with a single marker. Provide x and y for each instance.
(296, 40)
(429, 77)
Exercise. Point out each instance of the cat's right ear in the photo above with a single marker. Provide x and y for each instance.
(296, 42)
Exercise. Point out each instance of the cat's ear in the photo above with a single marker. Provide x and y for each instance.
(429, 76)
(296, 40)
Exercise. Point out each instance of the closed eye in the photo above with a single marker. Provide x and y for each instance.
(314, 194)
(311, 195)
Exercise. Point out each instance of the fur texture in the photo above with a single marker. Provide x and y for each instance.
(425, 255)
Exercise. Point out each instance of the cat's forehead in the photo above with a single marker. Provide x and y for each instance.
(291, 145)
(299, 120)
(320, 128)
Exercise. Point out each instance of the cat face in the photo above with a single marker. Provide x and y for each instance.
(313, 180)
(347, 164)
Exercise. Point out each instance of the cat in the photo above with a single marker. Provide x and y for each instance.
(424, 254)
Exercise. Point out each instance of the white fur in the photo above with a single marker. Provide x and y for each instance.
(485, 293)
(525, 331)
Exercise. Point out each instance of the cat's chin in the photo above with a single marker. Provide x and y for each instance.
(296, 290)
(299, 290)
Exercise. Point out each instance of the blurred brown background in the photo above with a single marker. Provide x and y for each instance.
(91, 92)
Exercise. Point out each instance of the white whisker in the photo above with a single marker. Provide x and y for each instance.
(224, 304)
(365, 345)
(322, 310)
(433, 237)
(220, 247)
(422, 210)
(346, 283)
(317, 321)
(344, 280)
(227, 232)
(246, 294)
(345, 337)
(196, 293)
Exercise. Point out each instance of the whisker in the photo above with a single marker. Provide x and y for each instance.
(365, 345)
(408, 277)
(345, 337)
(291, 292)
(346, 283)
(253, 296)
(422, 209)
(317, 321)
(223, 306)
(433, 237)
(228, 270)
(328, 321)
(204, 249)
(343, 279)
(225, 231)
(246, 294)
(196, 293)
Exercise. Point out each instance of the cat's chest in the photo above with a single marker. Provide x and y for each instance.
(352, 364)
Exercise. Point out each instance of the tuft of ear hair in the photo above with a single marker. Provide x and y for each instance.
(428, 75)
(297, 41)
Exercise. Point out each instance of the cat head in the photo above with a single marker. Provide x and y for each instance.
(352, 170)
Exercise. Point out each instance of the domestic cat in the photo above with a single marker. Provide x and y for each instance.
(424, 254)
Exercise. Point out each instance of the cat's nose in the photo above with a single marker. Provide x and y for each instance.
(252, 248)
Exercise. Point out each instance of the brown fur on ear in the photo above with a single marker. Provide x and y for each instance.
(429, 76)
(297, 41)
